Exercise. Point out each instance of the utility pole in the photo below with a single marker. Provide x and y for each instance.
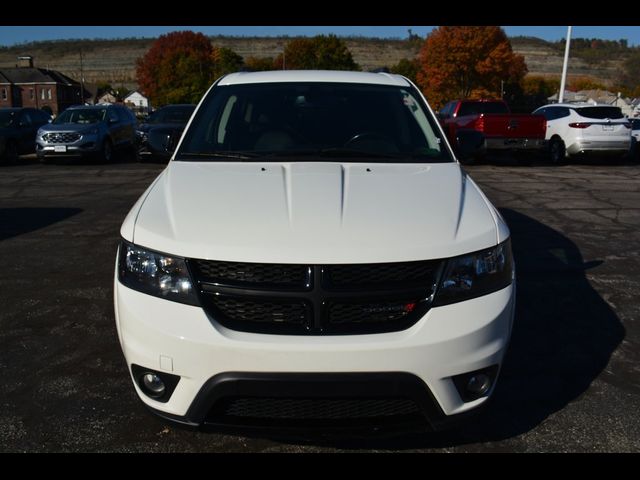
(81, 80)
(563, 81)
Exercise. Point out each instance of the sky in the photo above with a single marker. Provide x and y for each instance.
(11, 35)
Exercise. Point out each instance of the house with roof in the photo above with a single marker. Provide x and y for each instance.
(137, 102)
(29, 86)
(107, 97)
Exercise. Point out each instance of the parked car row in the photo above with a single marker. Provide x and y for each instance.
(502, 130)
(578, 129)
(562, 130)
(157, 136)
(97, 131)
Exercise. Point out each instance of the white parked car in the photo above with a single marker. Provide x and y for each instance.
(574, 129)
(314, 254)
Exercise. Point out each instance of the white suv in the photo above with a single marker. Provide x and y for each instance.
(574, 129)
(314, 254)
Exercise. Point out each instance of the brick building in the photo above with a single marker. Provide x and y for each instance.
(28, 86)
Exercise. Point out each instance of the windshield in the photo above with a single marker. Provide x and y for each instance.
(172, 115)
(304, 121)
(6, 118)
(600, 112)
(82, 116)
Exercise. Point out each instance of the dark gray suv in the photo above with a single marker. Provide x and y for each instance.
(96, 130)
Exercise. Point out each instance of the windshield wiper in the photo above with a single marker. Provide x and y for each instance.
(352, 152)
(228, 154)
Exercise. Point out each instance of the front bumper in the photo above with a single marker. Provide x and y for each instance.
(181, 340)
(85, 145)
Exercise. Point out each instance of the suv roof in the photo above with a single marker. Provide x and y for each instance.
(91, 107)
(279, 76)
(577, 105)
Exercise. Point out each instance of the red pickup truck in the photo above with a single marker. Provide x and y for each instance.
(502, 130)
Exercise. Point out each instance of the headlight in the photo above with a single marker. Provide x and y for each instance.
(475, 274)
(155, 274)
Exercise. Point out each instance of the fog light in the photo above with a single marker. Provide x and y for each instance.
(154, 385)
(474, 385)
(479, 384)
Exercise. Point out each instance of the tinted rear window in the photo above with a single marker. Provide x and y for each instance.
(600, 112)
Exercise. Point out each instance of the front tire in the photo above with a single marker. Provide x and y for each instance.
(557, 150)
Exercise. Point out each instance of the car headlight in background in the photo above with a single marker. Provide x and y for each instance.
(475, 274)
(156, 274)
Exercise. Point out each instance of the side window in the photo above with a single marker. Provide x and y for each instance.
(446, 111)
(112, 115)
(25, 119)
(551, 113)
(563, 112)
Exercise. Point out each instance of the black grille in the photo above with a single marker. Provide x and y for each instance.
(257, 311)
(381, 273)
(346, 313)
(61, 137)
(313, 408)
(253, 274)
(315, 299)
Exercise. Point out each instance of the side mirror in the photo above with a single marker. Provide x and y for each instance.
(469, 143)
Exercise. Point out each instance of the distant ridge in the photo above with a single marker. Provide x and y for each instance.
(113, 60)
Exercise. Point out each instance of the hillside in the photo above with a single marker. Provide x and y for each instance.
(114, 60)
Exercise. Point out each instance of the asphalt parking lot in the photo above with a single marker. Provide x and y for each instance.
(571, 381)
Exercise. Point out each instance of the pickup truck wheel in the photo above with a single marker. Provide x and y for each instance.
(556, 150)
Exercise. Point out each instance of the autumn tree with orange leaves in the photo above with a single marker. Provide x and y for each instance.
(467, 62)
(178, 68)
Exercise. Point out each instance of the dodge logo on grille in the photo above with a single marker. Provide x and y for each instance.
(398, 308)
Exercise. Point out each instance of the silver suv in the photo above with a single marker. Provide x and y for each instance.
(95, 130)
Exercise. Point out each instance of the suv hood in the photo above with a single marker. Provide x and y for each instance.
(69, 127)
(312, 212)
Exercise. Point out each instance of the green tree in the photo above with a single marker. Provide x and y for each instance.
(467, 62)
(256, 64)
(408, 68)
(225, 61)
(177, 68)
(322, 52)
